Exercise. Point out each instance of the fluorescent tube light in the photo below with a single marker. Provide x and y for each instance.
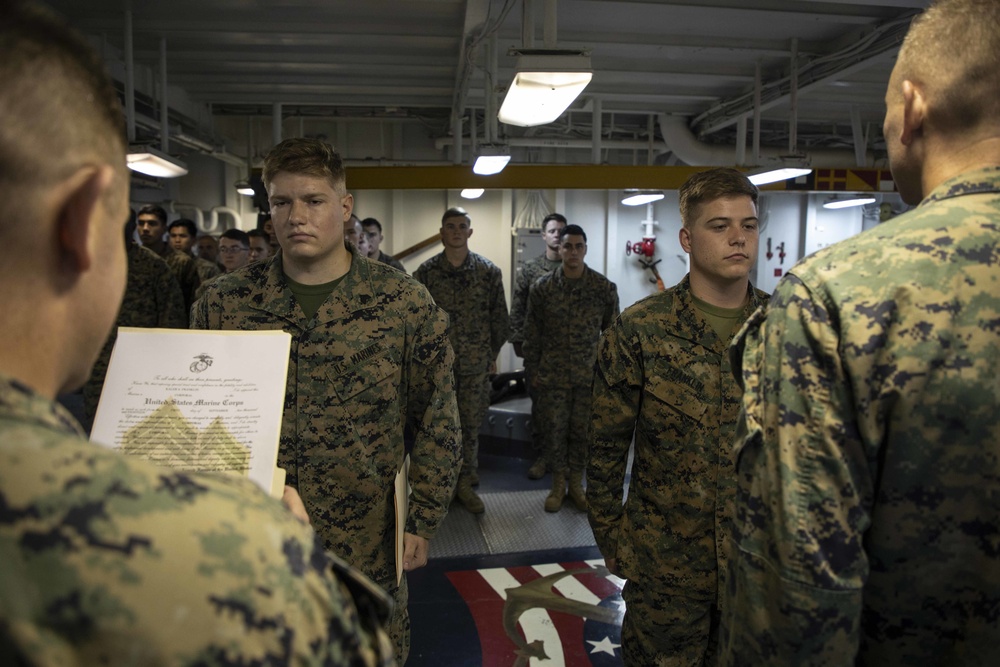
(545, 84)
(244, 188)
(149, 161)
(775, 175)
(492, 159)
(473, 193)
(635, 198)
(860, 200)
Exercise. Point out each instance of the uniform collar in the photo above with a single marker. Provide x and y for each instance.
(977, 181)
(19, 401)
(354, 293)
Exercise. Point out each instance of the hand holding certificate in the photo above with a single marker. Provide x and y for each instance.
(198, 400)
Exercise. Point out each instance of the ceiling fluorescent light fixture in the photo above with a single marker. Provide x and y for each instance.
(639, 197)
(545, 83)
(149, 161)
(492, 159)
(780, 174)
(858, 200)
(472, 193)
(244, 188)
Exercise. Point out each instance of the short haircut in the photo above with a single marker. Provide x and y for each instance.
(953, 51)
(558, 217)
(186, 224)
(153, 209)
(707, 186)
(456, 212)
(312, 157)
(237, 235)
(56, 99)
(372, 222)
(572, 229)
(258, 234)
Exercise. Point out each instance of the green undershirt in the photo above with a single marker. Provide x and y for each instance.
(722, 320)
(311, 297)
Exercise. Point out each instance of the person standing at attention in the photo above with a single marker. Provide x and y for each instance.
(470, 289)
(531, 271)
(663, 375)
(567, 310)
(370, 355)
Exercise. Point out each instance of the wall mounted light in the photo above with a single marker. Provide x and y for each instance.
(152, 162)
(472, 193)
(848, 202)
(639, 197)
(780, 174)
(545, 83)
(492, 159)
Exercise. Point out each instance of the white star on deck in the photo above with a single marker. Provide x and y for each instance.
(604, 646)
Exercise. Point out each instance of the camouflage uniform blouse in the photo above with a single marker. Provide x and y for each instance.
(375, 356)
(664, 374)
(472, 294)
(868, 509)
(109, 560)
(391, 261)
(531, 271)
(564, 323)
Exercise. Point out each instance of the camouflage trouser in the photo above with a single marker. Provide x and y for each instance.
(563, 415)
(537, 434)
(399, 623)
(473, 402)
(668, 630)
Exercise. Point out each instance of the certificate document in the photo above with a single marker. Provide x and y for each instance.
(197, 400)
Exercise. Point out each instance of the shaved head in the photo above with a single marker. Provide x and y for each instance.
(953, 52)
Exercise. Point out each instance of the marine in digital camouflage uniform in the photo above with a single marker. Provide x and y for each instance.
(115, 561)
(152, 299)
(567, 311)
(531, 271)
(106, 559)
(371, 355)
(372, 229)
(391, 261)
(472, 294)
(869, 454)
(152, 223)
(663, 375)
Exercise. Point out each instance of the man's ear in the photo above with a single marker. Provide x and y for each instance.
(685, 238)
(914, 112)
(78, 227)
(348, 202)
(470, 232)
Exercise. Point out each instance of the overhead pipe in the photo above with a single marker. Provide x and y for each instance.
(584, 144)
(756, 114)
(549, 25)
(527, 24)
(860, 141)
(213, 217)
(129, 78)
(793, 100)
(596, 133)
(681, 140)
(164, 108)
(199, 217)
(276, 123)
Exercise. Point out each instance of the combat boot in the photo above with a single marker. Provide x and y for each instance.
(576, 492)
(468, 497)
(554, 501)
(538, 468)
